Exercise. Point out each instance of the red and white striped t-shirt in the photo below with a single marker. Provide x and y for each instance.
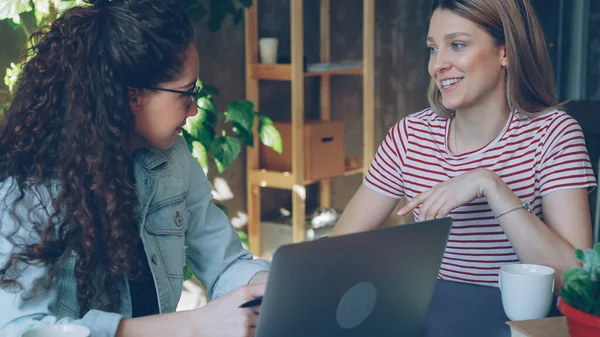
(533, 156)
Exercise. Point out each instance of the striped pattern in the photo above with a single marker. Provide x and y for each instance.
(533, 156)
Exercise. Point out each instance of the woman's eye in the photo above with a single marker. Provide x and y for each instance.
(432, 49)
(457, 45)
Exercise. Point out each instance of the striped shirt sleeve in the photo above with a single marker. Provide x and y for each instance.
(565, 163)
(385, 173)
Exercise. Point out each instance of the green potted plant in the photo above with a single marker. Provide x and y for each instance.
(579, 298)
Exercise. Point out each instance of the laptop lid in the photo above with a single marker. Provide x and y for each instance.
(375, 283)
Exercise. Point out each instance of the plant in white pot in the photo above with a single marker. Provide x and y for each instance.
(579, 297)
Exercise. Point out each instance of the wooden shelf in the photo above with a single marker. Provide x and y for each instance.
(283, 72)
(347, 173)
(264, 178)
(354, 171)
(285, 180)
(293, 72)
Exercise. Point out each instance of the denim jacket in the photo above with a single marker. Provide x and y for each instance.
(179, 225)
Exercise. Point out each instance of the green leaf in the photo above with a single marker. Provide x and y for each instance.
(199, 152)
(262, 119)
(209, 118)
(206, 103)
(41, 9)
(63, 5)
(199, 84)
(12, 75)
(591, 257)
(188, 139)
(573, 274)
(592, 261)
(13, 25)
(223, 6)
(243, 134)
(243, 235)
(39, 18)
(268, 134)
(187, 273)
(11, 9)
(210, 90)
(580, 255)
(224, 151)
(241, 112)
(243, 238)
(201, 127)
(216, 16)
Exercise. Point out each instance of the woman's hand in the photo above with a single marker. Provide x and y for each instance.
(223, 317)
(443, 198)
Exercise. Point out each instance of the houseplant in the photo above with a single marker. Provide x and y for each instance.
(579, 297)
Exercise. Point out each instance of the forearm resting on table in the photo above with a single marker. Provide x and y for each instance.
(175, 324)
(566, 226)
(366, 210)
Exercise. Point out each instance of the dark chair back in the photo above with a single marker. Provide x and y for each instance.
(587, 113)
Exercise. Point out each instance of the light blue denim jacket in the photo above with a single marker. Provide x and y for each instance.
(179, 225)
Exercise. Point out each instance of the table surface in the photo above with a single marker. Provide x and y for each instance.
(463, 310)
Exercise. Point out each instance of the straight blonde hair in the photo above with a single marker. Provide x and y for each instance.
(530, 87)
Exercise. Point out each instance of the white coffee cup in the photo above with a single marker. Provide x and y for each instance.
(59, 330)
(268, 50)
(527, 291)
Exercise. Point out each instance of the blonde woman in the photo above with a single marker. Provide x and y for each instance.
(494, 151)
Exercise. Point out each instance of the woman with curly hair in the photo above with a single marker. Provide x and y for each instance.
(101, 203)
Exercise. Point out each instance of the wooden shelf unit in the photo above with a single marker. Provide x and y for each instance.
(283, 72)
(286, 180)
(294, 72)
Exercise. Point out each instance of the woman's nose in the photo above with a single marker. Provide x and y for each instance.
(192, 109)
(441, 63)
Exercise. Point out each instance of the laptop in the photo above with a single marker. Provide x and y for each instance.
(375, 283)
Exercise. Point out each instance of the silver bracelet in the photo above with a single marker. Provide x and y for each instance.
(524, 205)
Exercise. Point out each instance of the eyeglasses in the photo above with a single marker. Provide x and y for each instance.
(191, 93)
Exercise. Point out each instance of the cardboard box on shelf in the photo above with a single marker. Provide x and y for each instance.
(323, 150)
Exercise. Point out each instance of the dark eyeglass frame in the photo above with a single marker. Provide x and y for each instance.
(192, 94)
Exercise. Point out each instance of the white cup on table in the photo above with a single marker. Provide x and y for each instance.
(527, 291)
(268, 50)
(59, 330)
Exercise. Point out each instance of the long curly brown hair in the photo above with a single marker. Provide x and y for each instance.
(70, 125)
